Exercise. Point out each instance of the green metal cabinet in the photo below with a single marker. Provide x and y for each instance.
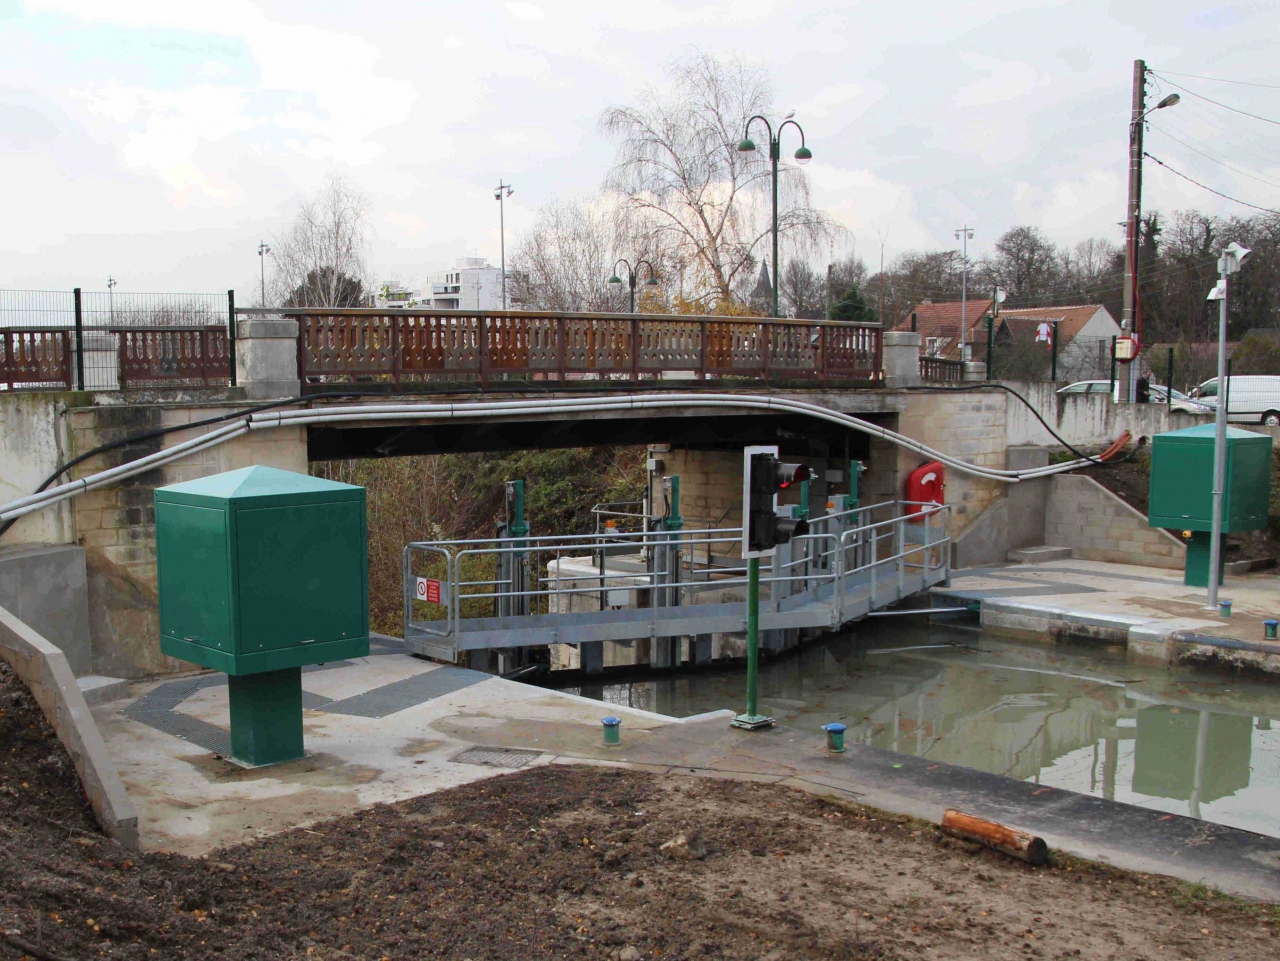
(1181, 491)
(262, 571)
(1180, 495)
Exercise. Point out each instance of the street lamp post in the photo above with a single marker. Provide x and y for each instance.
(500, 194)
(632, 275)
(111, 299)
(263, 250)
(964, 234)
(803, 156)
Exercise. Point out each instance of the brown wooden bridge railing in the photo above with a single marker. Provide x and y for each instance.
(114, 358)
(413, 346)
(939, 370)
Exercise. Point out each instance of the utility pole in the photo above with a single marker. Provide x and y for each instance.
(1130, 317)
(500, 194)
(964, 234)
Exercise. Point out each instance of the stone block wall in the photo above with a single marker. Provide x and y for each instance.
(1099, 526)
(116, 525)
(970, 426)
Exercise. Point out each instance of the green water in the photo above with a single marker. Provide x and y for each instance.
(1186, 742)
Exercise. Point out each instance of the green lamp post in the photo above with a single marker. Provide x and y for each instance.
(632, 277)
(803, 156)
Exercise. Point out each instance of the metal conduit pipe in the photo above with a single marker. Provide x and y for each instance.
(266, 420)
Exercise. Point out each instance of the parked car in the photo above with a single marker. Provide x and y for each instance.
(1251, 398)
(1181, 402)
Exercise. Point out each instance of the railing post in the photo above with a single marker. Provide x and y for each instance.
(483, 332)
(122, 356)
(8, 359)
(79, 342)
(702, 349)
(231, 333)
(766, 353)
(635, 349)
(902, 552)
(395, 349)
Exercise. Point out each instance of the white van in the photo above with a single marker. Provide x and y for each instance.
(1251, 398)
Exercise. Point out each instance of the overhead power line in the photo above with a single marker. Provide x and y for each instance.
(1234, 200)
(1241, 83)
(1216, 103)
(1207, 156)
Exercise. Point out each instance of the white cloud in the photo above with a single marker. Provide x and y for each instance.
(526, 11)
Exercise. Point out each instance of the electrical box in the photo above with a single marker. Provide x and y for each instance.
(1181, 486)
(262, 569)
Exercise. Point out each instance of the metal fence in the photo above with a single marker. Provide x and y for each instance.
(416, 346)
(1081, 358)
(103, 340)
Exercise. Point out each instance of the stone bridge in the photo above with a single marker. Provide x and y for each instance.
(84, 569)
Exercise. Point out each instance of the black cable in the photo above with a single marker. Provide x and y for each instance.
(1044, 423)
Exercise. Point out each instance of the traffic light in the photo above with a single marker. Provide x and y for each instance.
(763, 477)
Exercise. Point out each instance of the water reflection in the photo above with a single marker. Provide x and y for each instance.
(1171, 740)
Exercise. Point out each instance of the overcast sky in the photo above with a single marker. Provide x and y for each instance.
(160, 140)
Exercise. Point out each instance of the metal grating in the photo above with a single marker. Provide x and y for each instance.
(400, 695)
(497, 757)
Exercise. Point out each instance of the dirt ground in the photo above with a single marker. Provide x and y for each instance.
(1131, 480)
(559, 862)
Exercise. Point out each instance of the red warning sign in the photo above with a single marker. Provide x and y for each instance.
(429, 590)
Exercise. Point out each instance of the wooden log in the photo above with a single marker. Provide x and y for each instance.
(998, 837)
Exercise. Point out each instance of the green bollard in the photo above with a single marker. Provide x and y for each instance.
(612, 731)
(835, 737)
(1270, 628)
(1224, 610)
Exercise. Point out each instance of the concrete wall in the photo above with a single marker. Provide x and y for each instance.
(1099, 526)
(33, 444)
(1086, 418)
(45, 586)
(44, 669)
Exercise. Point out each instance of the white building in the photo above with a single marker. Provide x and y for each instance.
(474, 284)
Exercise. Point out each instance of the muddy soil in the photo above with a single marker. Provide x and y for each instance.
(565, 862)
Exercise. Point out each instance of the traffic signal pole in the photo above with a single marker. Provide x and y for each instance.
(753, 719)
(762, 531)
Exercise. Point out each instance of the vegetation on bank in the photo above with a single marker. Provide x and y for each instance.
(449, 496)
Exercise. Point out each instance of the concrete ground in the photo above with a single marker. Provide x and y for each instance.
(1149, 609)
(389, 727)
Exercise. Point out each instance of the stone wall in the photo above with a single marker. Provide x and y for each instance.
(1099, 526)
(33, 444)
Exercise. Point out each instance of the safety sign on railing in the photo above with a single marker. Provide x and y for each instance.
(431, 590)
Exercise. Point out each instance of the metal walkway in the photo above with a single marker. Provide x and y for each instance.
(625, 586)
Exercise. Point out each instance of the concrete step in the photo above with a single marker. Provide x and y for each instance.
(1039, 555)
(98, 689)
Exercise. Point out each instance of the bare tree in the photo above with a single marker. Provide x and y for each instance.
(564, 261)
(704, 203)
(322, 261)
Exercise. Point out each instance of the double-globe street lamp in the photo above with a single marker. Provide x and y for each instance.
(632, 276)
(803, 156)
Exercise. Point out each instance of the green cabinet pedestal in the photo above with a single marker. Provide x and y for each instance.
(1197, 569)
(261, 571)
(266, 716)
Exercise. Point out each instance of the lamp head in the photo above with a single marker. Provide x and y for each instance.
(1169, 101)
(615, 279)
(747, 145)
(652, 281)
(804, 155)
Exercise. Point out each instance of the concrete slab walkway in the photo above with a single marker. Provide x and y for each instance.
(192, 801)
(1148, 609)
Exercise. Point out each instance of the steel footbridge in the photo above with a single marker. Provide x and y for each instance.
(620, 585)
